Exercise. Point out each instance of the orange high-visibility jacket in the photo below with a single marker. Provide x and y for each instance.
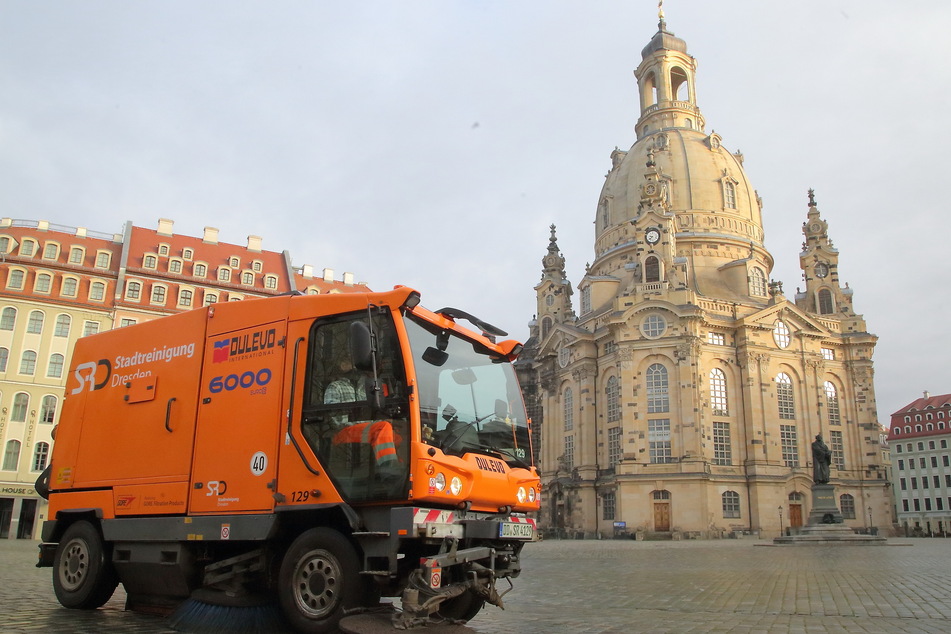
(378, 434)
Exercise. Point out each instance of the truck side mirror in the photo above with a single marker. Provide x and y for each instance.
(361, 346)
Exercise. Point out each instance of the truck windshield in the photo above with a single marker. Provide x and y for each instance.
(469, 400)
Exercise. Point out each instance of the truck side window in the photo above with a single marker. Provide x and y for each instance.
(361, 439)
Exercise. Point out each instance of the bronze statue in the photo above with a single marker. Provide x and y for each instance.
(821, 461)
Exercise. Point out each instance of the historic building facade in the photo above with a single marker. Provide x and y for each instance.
(61, 283)
(683, 392)
(920, 442)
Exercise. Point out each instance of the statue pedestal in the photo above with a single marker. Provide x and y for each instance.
(825, 524)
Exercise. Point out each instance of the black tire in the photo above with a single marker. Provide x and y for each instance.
(461, 608)
(83, 576)
(319, 580)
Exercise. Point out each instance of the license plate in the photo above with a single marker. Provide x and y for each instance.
(516, 530)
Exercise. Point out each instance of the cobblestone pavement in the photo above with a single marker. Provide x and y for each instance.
(742, 586)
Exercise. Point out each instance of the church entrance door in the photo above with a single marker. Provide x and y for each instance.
(661, 517)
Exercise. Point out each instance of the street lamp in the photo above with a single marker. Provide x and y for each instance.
(780, 521)
(870, 524)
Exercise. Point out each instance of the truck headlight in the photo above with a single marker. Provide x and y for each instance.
(521, 495)
(440, 482)
(455, 485)
(531, 494)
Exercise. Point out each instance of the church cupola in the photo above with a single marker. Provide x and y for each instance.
(819, 261)
(554, 292)
(666, 82)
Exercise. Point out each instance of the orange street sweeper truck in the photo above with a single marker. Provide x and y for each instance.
(317, 451)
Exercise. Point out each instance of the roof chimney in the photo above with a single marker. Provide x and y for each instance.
(211, 235)
(328, 275)
(254, 243)
(165, 226)
(348, 279)
(927, 394)
(307, 271)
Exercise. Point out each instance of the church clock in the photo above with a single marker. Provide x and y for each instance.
(821, 270)
(652, 236)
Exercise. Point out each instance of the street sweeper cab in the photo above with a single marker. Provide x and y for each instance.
(312, 451)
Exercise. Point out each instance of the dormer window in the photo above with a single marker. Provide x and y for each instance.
(234, 262)
(28, 248)
(729, 195)
(50, 251)
(163, 249)
(150, 261)
(224, 275)
(257, 266)
(187, 254)
(102, 259)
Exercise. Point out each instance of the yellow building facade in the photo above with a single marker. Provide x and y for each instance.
(680, 397)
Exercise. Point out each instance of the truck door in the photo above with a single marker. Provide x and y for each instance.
(239, 421)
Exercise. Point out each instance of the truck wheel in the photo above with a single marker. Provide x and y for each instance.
(461, 608)
(83, 577)
(319, 579)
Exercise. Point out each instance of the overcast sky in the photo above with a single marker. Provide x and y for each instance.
(432, 142)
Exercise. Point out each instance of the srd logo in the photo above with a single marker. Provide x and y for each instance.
(85, 373)
(249, 379)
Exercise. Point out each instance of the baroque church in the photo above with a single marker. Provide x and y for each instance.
(682, 394)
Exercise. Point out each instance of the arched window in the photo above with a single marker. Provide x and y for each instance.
(184, 297)
(62, 326)
(97, 291)
(660, 495)
(28, 363)
(158, 294)
(718, 393)
(11, 456)
(48, 409)
(40, 456)
(757, 282)
(658, 394)
(729, 195)
(21, 403)
(847, 506)
(832, 403)
(569, 409)
(44, 282)
(35, 323)
(731, 504)
(613, 393)
(133, 290)
(70, 287)
(55, 368)
(784, 397)
(651, 269)
(4, 358)
(546, 326)
(825, 302)
(8, 319)
(585, 300)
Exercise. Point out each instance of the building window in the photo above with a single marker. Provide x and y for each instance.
(133, 290)
(102, 259)
(757, 282)
(4, 358)
(731, 504)
(247, 278)
(828, 354)
(608, 504)
(55, 368)
(97, 291)
(158, 294)
(614, 446)
(90, 328)
(901, 465)
(234, 262)
(187, 254)
(8, 318)
(569, 456)
(658, 436)
(21, 403)
(613, 393)
(825, 302)
(781, 334)
(48, 409)
(784, 397)
(722, 445)
(569, 409)
(256, 266)
(729, 195)
(847, 506)
(903, 484)
(62, 326)
(40, 455)
(185, 297)
(270, 282)
(210, 298)
(163, 249)
(175, 266)
(716, 338)
(15, 279)
(77, 255)
(44, 282)
(838, 453)
(654, 325)
(658, 394)
(585, 300)
(651, 269)
(70, 287)
(150, 262)
(224, 275)
(200, 270)
(11, 456)
(718, 393)
(50, 251)
(35, 324)
(126, 321)
(660, 495)
(28, 248)
(790, 445)
(4, 245)
(28, 363)
(832, 403)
